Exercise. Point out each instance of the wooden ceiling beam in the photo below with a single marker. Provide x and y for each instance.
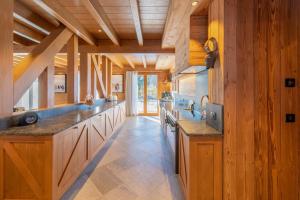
(26, 16)
(22, 41)
(115, 60)
(94, 7)
(137, 21)
(127, 46)
(128, 59)
(144, 61)
(34, 64)
(60, 13)
(25, 32)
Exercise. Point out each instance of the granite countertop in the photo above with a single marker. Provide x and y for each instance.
(198, 128)
(53, 125)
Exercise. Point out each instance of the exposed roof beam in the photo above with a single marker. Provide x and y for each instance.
(95, 8)
(128, 46)
(26, 16)
(23, 41)
(27, 33)
(34, 64)
(115, 60)
(54, 9)
(144, 61)
(164, 62)
(127, 58)
(137, 21)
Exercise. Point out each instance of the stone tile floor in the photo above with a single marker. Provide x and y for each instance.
(133, 165)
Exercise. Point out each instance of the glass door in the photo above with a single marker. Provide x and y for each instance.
(148, 94)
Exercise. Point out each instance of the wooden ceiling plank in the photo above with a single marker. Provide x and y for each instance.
(95, 8)
(34, 64)
(137, 21)
(25, 32)
(54, 9)
(144, 61)
(25, 15)
(127, 58)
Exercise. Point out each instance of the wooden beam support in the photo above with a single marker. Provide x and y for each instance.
(60, 13)
(137, 20)
(109, 76)
(144, 61)
(27, 33)
(34, 64)
(95, 9)
(105, 46)
(72, 69)
(46, 87)
(6, 57)
(26, 16)
(99, 85)
(22, 41)
(85, 75)
(129, 61)
(115, 60)
(104, 71)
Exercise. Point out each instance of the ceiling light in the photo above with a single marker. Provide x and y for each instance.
(99, 30)
(195, 3)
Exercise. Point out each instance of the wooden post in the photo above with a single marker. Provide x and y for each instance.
(109, 74)
(85, 75)
(72, 70)
(93, 78)
(6, 57)
(46, 87)
(104, 71)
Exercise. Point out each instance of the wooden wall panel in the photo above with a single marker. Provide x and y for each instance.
(6, 57)
(261, 150)
(216, 30)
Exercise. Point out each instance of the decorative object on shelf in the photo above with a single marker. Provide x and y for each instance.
(60, 81)
(211, 48)
(89, 100)
(117, 83)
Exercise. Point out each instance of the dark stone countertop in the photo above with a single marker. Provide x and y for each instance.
(191, 123)
(53, 125)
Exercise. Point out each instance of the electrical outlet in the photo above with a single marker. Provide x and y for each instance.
(290, 82)
(290, 118)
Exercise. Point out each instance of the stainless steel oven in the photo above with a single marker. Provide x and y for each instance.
(172, 137)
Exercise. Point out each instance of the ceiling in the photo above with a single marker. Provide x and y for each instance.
(138, 20)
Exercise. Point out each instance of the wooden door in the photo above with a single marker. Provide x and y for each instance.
(97, 135)
(109, 122)
(70, 151)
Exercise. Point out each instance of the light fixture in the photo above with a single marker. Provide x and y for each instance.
(195, 3)
(99, 30)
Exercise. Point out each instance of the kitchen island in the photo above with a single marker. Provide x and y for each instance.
(42, 161)
(199, 152)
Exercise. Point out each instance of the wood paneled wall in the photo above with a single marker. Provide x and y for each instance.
(216, 30)
(6, 57)
(262, 48)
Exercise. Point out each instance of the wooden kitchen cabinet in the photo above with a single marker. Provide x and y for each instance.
(97, 134)
(109, 122)
(200, 166)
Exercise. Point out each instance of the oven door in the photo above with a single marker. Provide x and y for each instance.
(172, 140)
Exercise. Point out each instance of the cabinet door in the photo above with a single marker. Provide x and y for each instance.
(96, 134)
(117, 116)
(70, 149)
(183, 161)
(109, 122)
(123, 111)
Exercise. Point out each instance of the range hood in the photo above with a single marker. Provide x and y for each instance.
(194, 70)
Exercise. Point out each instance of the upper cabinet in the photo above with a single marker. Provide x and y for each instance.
(190, 42)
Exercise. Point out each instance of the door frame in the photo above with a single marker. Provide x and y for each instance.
(145, 74)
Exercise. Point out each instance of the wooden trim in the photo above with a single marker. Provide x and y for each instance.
(6, 57)
(137, 21)
(55, 10)
(34, 64)
(95, 9)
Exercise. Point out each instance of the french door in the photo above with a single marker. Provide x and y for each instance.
(147, 94)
